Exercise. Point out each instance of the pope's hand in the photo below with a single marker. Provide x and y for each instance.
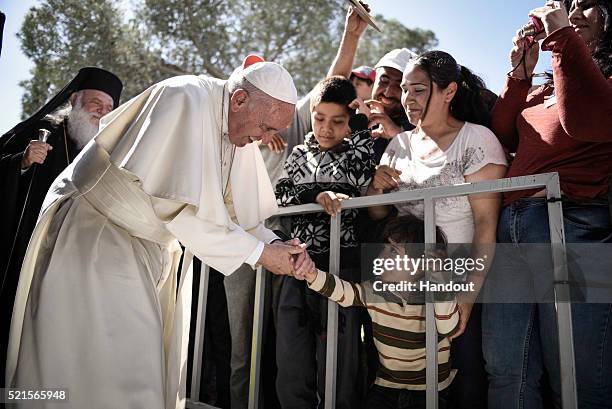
(279, 257)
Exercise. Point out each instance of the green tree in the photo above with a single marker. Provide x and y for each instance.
(162, 38)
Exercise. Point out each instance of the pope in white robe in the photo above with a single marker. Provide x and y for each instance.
(97, 310)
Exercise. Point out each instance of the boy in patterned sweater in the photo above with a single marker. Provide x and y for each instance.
(398, 321)
(334, 164)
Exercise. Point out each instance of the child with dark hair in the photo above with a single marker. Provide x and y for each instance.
(332, 165)
(398, 321)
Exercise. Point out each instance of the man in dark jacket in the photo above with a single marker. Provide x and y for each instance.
(32, 155)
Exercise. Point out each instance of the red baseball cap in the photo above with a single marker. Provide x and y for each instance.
(364, 72)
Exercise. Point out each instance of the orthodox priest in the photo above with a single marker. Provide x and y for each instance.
(99, 307)
(28, 167)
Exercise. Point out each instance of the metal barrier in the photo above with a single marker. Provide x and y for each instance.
(549, 181)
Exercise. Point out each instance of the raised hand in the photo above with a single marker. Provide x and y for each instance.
(360, 106)
(553, 15)
(277, 144)
(355, 25)
(522, 45)
(386, 127)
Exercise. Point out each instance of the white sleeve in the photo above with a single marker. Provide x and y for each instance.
(263, 233)
(481, 149)
(224, 249)
(266, 236)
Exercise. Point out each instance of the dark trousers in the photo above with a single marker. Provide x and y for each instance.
(469, 388)
(380, 397)
(301, 347)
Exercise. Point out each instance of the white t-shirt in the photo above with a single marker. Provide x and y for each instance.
(424, 165)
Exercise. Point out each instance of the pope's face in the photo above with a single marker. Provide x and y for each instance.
(250, 120)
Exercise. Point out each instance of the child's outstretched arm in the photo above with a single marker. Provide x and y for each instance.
(343, 292)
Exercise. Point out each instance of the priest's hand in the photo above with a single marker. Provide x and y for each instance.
(279, 257)
(36, 152)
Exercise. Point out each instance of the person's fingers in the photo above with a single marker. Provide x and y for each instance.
(539, 12)
(303, 264)
(392, 172)
(329, 206)
(538, 37)
(323, 200)
(300, 260)
(293, 242)
(378, 118)
(336, 205)
(388, 181)
(374, 104)
(460, 330)
(305, 268)
(295, 249)
(342, 196)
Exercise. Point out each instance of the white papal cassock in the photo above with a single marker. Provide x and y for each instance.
(96, 311)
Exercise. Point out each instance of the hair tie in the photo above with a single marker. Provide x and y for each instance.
(459, 72)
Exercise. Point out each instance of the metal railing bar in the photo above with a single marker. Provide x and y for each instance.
(431, 331)
(257, 339)
(331, 361)
(198, 347)
(550, 181)
(567, 364)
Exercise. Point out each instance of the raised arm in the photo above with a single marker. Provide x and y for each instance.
(354, 28)
(584, 95)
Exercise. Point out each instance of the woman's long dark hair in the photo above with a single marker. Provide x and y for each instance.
(603, 49)
(468, 103)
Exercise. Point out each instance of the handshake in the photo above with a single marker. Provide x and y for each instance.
(287, 258)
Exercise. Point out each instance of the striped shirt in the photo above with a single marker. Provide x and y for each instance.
(399, 331)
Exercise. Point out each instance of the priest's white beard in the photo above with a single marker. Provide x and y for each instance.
(80, 128)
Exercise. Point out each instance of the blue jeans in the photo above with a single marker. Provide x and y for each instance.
(520, 340)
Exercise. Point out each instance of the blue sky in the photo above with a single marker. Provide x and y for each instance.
(477, 33)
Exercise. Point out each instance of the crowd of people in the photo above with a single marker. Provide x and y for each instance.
(100, 199)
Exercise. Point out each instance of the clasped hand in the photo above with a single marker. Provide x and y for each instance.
(287, 258)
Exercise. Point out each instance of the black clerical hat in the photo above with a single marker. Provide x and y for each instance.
(101, 80)
(87, 78)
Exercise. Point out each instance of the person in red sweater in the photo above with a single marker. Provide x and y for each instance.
(564, 126)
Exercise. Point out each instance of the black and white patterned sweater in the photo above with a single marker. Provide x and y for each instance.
(308, 171)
